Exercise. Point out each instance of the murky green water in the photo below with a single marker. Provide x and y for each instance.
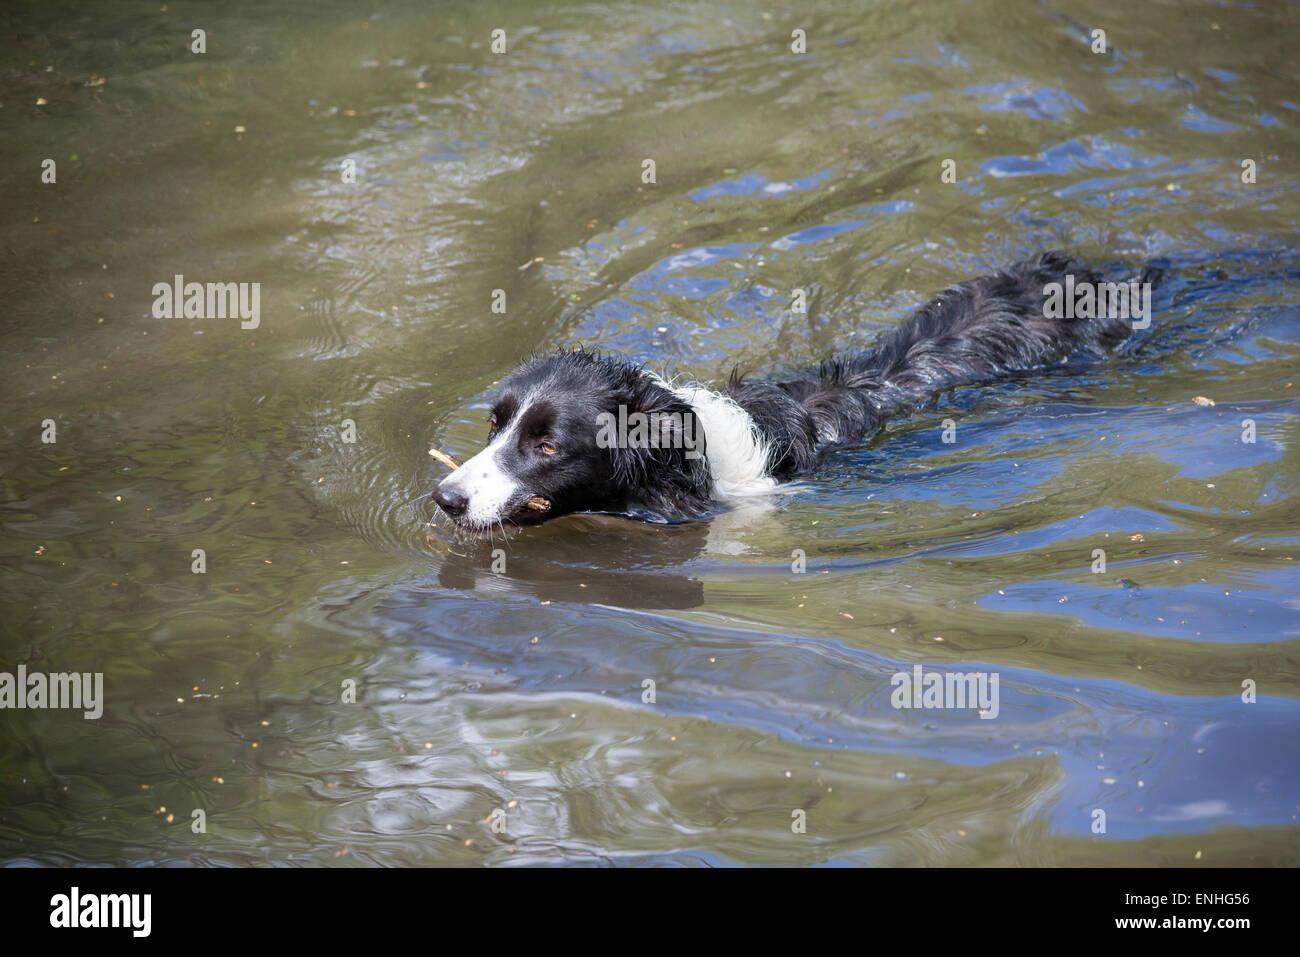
(522, 690)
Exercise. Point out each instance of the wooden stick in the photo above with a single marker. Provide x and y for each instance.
(444, 458)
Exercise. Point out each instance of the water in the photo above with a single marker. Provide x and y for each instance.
(521, 690)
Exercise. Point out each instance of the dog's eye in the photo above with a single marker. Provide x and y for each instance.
(492, 422)
(546, 447)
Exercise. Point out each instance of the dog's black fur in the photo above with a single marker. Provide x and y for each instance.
(976, 331)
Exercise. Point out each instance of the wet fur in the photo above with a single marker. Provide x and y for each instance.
(975, 331)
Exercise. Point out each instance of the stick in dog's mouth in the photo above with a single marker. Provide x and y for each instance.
(537, 503)
(444, 458)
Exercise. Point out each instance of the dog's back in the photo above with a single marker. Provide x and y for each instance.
(975, 331)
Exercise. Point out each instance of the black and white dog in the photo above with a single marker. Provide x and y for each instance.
(558, 443)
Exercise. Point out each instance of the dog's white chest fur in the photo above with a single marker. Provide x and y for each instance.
(734, 448)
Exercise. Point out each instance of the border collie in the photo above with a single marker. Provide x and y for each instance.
(558, 438)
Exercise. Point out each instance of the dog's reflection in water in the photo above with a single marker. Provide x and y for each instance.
(598, 559)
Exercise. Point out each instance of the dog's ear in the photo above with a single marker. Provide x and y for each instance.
(659, 463)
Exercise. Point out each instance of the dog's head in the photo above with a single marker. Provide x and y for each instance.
(577, 432)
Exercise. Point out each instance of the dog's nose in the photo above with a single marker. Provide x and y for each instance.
(452, 501)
